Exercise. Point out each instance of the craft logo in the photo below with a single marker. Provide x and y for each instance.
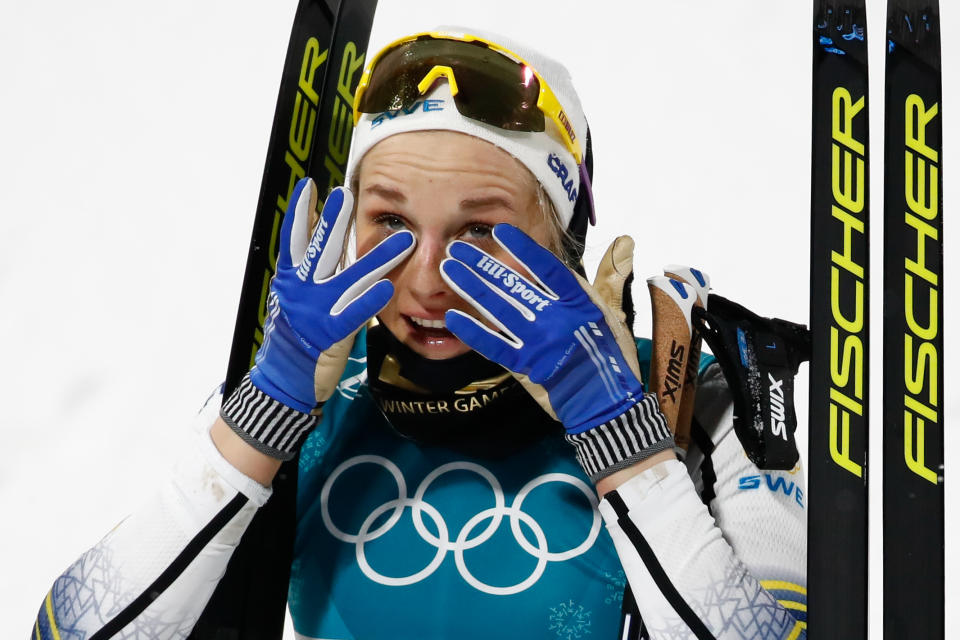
(921, 286)
(847, 287)
(560, 169)
(778, 414)
(425, 106)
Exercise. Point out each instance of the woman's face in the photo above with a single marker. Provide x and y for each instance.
(442, 186)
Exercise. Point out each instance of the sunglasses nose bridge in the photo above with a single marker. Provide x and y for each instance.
(438, 71)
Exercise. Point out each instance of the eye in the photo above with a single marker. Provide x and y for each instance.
(477, 231)
(391, 222)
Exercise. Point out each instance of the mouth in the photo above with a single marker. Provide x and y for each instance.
(429, 331)
(433, 336)
(425, 323)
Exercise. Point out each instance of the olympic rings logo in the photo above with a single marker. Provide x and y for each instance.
(463, 540)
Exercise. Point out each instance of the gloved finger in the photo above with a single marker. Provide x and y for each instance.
(361, 308)
(373, 266)
(553, 275)
(481, 339)
(495, 305)
(323, 253)
(295, 230)
(614, 277)
(334, 221)
(525, 296)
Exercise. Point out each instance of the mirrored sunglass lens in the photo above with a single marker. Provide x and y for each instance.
(492, 88)
(393, 82)
(499, 97)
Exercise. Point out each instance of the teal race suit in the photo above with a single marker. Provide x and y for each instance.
(390, 530)
(398, 539)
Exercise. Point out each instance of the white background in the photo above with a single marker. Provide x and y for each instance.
(132, 140)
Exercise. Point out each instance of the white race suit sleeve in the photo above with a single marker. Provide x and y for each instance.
(152, 575)
(734, 568)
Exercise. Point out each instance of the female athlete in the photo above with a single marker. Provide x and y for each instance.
(478, 457)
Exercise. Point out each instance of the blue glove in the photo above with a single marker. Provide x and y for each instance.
(569, 348)
(313, 313)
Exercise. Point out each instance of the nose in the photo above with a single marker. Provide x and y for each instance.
(423, 269)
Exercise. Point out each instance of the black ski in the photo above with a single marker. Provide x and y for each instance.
(311, 132)
(913, 356)
(839, 320)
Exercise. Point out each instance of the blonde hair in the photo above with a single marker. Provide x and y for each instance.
(560, 241)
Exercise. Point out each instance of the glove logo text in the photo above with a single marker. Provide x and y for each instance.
(316, 245)
(513, 283)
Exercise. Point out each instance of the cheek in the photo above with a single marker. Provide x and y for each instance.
(367, 237)
(538, 228)
(534, 222)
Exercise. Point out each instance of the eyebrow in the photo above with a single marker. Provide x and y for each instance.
(467, 204)
(489, 202)
(389, 193)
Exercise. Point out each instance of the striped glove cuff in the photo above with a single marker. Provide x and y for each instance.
(638, 433)
(266, 424)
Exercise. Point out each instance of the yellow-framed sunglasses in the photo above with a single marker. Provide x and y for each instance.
(488, 83)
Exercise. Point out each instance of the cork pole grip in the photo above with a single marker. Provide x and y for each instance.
(671, 302)
(701, 284)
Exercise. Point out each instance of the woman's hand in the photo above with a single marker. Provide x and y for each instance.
(313, 312)
(552, 332)
(566, 345)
